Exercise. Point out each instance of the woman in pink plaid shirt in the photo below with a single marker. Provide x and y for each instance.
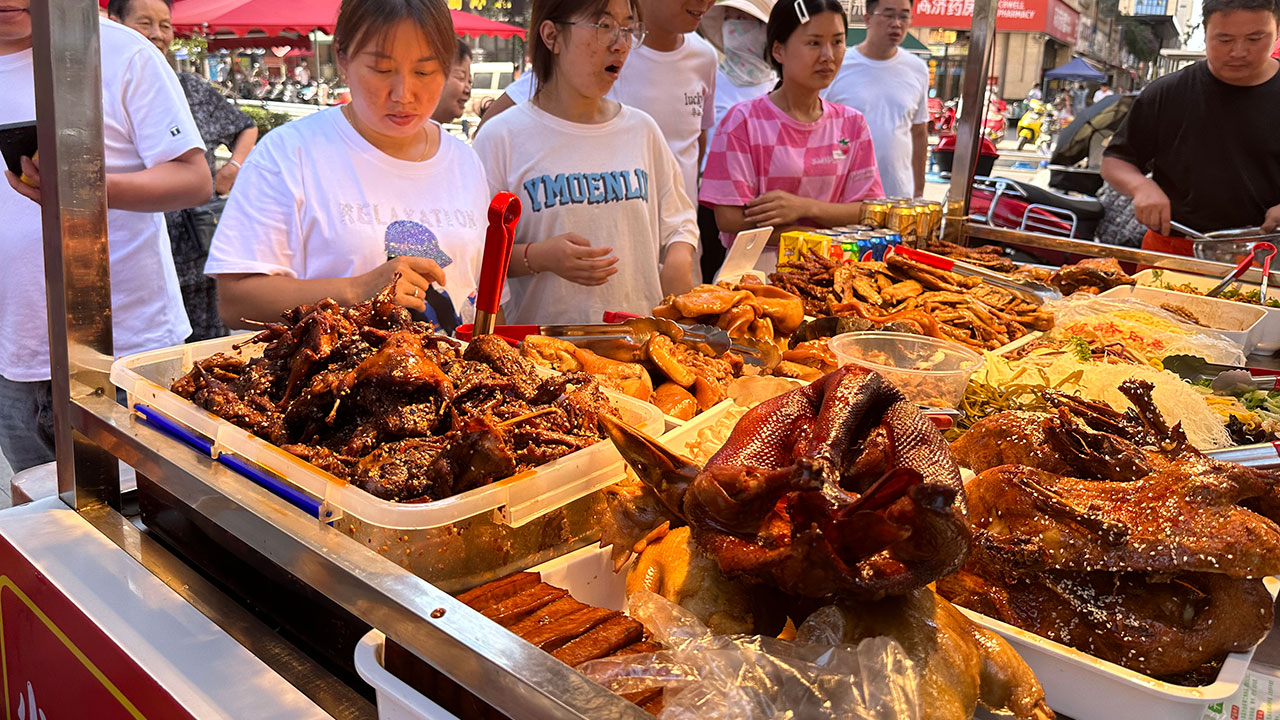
(790, 158)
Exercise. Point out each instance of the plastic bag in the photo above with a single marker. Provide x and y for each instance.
(741, 677)
(1151, 331)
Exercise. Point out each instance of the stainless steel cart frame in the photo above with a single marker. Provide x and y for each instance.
(92, 431)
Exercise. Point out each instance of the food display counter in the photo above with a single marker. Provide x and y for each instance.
(333, 566)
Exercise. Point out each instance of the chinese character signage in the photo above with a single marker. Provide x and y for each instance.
(1048, 16)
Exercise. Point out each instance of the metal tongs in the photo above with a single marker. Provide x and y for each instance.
(1222, 377)
(1268, 251)
(624, 341)
(1033, 291)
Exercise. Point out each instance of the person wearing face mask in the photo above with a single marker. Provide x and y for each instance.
(325, 200)
(789, 158)
(219, 123)
(737, 29)
(606, 224)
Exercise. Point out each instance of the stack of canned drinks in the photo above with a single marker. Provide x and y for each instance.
(849, 243)
(915, 220)
(885, 223)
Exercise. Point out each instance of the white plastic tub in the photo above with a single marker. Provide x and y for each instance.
(396, 700)
(1075, 684)
(1083, 686)
(1268, 330)
(586, 573)
(146, 378)
(1239, 322)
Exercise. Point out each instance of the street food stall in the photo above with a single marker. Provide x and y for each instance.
(764, 497)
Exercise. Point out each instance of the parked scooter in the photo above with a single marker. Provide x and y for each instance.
(1036, 126)
(942, 117)
(993, 125)
(1002, 202)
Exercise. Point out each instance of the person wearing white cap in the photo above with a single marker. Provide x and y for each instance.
(891, 88)
(737, 29)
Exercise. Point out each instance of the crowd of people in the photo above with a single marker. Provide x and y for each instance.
(637, 146)
(605, 142)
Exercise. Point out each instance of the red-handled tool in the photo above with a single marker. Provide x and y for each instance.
(1267, 250)
(1033, 291)
(504, 213)
(612, 316)
(511, 333)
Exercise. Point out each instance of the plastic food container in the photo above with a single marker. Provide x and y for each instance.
(396, 700)
(456, 543)
(586, 573)
(1268, 330)
(1083, 686)
(1238, 322)
(928, 371)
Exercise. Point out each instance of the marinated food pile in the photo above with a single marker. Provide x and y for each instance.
(926, 300)
(378, 399)
(679, 380)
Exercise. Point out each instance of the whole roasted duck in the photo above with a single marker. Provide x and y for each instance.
(1108, 532)
(841, 492)
(840, 489)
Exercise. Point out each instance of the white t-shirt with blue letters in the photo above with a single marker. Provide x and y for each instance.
(615, 183)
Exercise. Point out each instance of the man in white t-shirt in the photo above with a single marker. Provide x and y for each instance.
(891, 88)
(154, 162)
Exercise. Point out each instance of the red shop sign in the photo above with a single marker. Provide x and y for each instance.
(1048, 16)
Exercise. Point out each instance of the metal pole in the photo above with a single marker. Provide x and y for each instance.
(68, 87)
(968, 135)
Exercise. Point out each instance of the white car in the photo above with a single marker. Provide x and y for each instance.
(487, 81)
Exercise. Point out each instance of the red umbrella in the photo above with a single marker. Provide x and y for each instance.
(302, 16)
(468, 24)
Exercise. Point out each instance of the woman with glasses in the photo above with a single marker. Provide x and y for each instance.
(791, 159)
(338, 203)
(606, 223)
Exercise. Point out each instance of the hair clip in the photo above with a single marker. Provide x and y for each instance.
(802, 12)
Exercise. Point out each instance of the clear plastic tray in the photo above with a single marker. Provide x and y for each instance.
(518, 499)
(1268, 337)
(1083, 686)
(1238, 322)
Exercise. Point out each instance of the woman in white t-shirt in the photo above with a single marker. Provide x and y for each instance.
(325, 201)
(606, 223)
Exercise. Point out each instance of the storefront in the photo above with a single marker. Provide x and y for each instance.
(1033, 36)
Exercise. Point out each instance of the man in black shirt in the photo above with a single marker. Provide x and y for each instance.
(1209, 133)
